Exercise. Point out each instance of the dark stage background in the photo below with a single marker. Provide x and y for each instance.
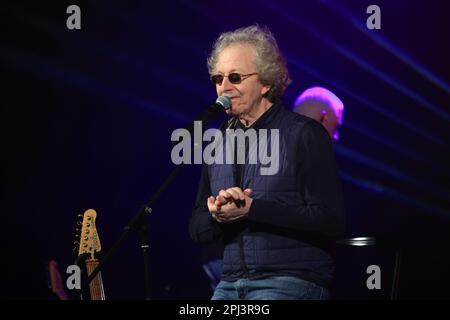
(87, 117)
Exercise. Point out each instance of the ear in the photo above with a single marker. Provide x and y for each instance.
(265, 90)
(323, 114)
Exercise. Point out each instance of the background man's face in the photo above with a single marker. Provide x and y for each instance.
(246, 95)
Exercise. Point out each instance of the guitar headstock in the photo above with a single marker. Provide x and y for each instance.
(89, 242)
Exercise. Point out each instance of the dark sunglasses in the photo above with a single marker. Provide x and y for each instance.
(234, 78)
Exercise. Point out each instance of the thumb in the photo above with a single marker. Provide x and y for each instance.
(248, 192)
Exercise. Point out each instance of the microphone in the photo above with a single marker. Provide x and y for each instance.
(222, 103)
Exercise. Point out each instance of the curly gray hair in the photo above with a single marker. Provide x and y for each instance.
(269, 61)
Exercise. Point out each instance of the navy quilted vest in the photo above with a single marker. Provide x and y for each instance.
(255, 250)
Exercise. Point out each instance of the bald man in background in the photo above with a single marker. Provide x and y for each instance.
(323, 106)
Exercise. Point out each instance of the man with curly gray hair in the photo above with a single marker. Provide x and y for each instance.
(276, 229)
(268, 60)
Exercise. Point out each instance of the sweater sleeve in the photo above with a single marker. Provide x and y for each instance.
(202, 228)
(319, 187)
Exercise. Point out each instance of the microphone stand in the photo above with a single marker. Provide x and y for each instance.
(137, 223)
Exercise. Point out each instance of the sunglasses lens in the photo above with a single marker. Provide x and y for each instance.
(234, 78)
(217, 79)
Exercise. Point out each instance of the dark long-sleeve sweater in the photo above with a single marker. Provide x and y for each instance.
(322, 210)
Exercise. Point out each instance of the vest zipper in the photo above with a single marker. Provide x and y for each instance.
(242, 257)
(238, 171)
(241, 185)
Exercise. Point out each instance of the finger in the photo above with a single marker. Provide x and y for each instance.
(217, 206)
(239, 192)
(236, 197)
(224, 197)
(234, 194)
(217, 218)
(220, 201)
(241, 201)
(210, 203)
(237, 189)
(234, 218)
(225, 194)
(248, 192)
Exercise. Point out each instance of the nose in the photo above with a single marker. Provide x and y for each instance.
(225, 87)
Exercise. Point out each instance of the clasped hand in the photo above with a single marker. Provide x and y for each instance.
(230, 205)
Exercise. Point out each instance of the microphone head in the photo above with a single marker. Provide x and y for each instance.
(224, 101)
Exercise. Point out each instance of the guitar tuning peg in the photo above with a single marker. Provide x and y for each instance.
(77, 236)
(80, 215)
(79, 223)
(77, 230)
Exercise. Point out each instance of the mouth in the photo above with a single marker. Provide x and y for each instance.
(231, 96)
(233, 102)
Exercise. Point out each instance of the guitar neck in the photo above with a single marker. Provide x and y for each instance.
(96, 285)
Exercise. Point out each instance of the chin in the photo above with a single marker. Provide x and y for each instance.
(239, 109)
(233, 111)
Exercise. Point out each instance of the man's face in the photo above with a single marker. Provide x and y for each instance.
(247, 95)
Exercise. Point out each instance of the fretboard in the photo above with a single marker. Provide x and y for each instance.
(96, 285)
